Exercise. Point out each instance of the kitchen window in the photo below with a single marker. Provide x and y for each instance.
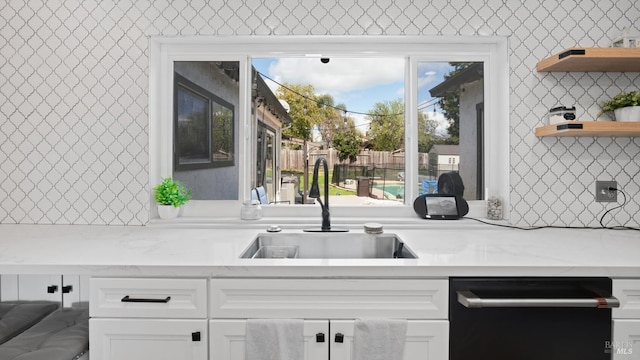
(490, 52)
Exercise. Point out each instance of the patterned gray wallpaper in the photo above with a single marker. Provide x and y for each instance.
(74, 83)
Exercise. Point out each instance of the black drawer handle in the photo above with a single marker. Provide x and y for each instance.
(52, 289)
(339, 338)
(320, 337)
(142, 300)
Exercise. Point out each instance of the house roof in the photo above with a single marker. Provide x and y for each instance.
(270, 100)
(465, 76)
(445, 149)
(231, 69)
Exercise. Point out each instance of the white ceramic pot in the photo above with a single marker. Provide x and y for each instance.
(168, 211)
(629, 113)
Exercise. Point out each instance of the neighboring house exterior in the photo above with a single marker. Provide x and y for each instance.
(443, 158)
(469, 84)
(213, 172)
(208, 179)
(271, 115)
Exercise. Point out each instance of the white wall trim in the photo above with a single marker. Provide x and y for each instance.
(165, 50)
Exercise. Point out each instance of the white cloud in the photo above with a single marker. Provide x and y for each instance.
(431, 74)
(443, 123)
(426, 78)
(361, 122)
(340, 75)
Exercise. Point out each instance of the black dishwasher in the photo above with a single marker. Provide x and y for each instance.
(530, 318)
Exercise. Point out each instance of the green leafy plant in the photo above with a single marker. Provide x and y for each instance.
(170, 192)
(621, 100)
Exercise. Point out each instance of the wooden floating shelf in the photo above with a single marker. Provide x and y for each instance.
(593, 59)
(591, 128)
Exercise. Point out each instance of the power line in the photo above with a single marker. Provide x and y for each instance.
(427, 103)
(323, 104)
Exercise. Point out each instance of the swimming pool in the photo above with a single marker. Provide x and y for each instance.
(391, 191)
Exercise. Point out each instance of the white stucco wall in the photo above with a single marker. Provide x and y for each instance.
(470, 97)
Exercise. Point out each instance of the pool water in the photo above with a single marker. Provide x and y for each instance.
(391, 190)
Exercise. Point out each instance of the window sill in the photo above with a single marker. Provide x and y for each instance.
(307, 215)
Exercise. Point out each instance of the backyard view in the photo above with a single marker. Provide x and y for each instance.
(352, 113)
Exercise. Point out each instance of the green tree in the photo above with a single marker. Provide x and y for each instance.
(450, 104)
(348, 142)
(426, 132)
(308, 110)
(332, 120)
(304, 110)
(386, 131)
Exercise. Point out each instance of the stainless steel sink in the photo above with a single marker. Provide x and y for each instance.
(327, 246)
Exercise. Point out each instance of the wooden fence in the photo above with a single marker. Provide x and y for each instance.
(294, 159)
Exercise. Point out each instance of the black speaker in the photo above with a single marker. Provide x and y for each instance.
(450, 183)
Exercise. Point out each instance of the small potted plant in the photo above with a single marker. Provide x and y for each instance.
(626, 106)
(170, 195)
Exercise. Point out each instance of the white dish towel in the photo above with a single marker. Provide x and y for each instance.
(379, 339)
(274, 339)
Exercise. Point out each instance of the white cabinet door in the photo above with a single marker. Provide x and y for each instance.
(227, 339)
(75, 291)
(32, 288)
(70, 290)
(425, 340)
(157, 339)
(628, 292)
(626, 340)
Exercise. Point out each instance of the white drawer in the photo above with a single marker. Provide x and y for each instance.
(628, 292)
(329, 298)
(153, 298)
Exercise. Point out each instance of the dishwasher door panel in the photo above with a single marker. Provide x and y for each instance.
(533, 332)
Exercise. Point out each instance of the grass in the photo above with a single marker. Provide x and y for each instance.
(333, 190)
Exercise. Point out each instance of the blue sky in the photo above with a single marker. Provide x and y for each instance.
(357, 83)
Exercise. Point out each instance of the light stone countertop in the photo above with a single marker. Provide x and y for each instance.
(444, 249)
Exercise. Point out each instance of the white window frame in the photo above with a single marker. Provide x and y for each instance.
(491, 50)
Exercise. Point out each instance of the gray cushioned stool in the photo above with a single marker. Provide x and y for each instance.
(18, 317)
(63, 335)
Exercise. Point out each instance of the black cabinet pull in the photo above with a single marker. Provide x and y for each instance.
(142, 300)
(320, 337)
(195, 336)
(67, 289)
(52, 289)
(339, 338)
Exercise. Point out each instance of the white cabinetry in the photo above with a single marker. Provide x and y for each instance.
(626, 320)
(162, 319)
(167, 319)
(329, 298)
(227, 339)
(158, 339)
(69, 290)
(425, 339)
(329, 307)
